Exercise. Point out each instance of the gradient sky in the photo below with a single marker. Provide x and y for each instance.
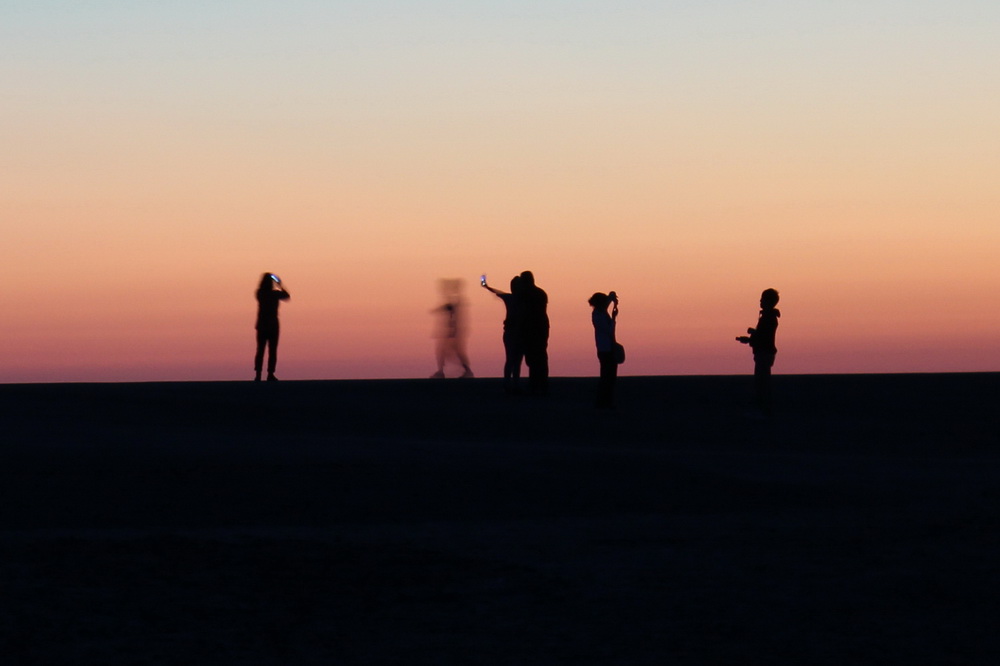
(158, 157)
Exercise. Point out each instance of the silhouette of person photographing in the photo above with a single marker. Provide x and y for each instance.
(269, 294)
(535, 333)
(451, 336)
(513, 353)
(604, 337)
(761, 341)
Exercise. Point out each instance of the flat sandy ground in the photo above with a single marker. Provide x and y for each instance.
(439, 522)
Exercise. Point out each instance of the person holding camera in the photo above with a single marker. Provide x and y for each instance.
(513, 352)
(269, 294)
(761, 341)
(604, 337)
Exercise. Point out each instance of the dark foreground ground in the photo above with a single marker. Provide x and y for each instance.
(438, 522)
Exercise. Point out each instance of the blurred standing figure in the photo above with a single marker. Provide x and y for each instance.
(535, 333)
(604, 336)
(761, 340)
(511, 333)
(269, 294)
(451, 336)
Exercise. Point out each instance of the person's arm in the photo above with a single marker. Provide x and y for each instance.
(494, 290)
(279, 286)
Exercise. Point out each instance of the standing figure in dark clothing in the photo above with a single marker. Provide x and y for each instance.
(269, 294)
(535, 333)
(761, 340)
(604, 336)
(451, 335)
(511, 333)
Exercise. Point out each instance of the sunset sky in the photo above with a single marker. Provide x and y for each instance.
(158, 157)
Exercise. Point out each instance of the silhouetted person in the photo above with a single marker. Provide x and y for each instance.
(535, 333)
(513, 354)
(269, 294)
(761, 340)
(451, 335)
(604, 336)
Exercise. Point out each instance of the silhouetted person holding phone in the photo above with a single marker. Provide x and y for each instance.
(269, 294)
(761, 340)
(604, 336)
(513, 354)
(535, 333)
(451, 335)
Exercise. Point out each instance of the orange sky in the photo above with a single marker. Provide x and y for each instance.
(156, 161)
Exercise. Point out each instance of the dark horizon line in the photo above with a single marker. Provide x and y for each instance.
(500, 379)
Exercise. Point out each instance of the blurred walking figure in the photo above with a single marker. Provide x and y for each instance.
(269, 294)
(761, 340)
(513, 353)
(604, 336)
(535, 333)
(451, 334)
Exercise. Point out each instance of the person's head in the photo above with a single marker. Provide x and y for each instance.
(527, 279)
(266, 282)
(599, 300)
(769, 298)
(515, 284)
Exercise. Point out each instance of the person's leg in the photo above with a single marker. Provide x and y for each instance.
(463, 358)
(613, 375)
(606, 382)
(440, 350)
(534, 356)
(272, 354)
(508, 365)
(530, 362)
(512, 364)
(762, 382)
(258, 359)
(543, 369)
